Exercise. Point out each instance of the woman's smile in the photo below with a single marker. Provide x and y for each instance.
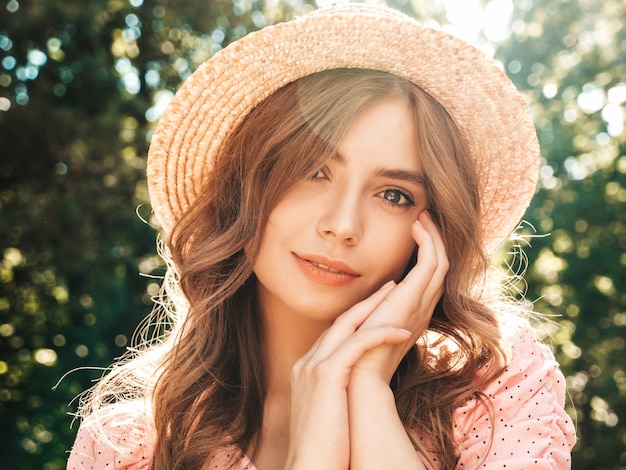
(326, 271)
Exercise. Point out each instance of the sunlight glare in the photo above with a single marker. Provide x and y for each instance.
(466, 18)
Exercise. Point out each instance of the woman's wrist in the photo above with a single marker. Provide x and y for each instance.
(368, 386)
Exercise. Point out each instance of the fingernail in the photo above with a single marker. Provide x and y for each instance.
(388, 285)
(404, 332)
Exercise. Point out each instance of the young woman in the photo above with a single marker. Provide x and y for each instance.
(330, 189)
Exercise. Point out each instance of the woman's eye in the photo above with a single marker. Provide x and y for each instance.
(395, 197)
(319, 174)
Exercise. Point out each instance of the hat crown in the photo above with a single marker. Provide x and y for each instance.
(490, 113)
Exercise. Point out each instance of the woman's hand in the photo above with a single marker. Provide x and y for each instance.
(409, 305)
(366, 342)
(319, 435)
(378, 439)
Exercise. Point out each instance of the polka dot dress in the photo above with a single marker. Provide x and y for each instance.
(529, 426)
(528, 429)
(125, 445)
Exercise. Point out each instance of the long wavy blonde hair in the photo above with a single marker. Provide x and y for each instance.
(202, 379)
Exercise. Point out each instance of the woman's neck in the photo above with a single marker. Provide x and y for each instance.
(287, 337)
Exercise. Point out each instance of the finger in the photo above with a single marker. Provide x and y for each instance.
(356, 315)
(415, 285)
(413, 301)
(347, 323)
(435, 231)
(435, 289)
(339, 364)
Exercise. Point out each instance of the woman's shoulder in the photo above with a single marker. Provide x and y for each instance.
(528, 357)
(121, 436)
(530, 365)
(522, 408)
(116, 436)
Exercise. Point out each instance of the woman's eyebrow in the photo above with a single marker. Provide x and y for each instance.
(404, 175)
(410, 176)
(338, 157)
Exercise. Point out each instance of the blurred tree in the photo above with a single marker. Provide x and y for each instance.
(569, 58)
(83, 83)
(70, 175)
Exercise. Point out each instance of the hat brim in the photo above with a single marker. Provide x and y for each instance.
(490, 113)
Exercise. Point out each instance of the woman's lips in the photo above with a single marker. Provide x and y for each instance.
(326, 271)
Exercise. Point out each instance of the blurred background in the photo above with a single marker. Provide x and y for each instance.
(82, 84)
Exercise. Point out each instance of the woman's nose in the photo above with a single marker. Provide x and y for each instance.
(341, 219)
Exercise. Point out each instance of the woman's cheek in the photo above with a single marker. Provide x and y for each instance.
(398, 253)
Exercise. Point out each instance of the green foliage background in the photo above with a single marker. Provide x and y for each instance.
(81, 85)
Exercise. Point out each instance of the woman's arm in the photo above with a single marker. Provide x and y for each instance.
(378, 439)
(319, 434)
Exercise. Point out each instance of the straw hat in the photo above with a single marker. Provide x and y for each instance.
(488, 110)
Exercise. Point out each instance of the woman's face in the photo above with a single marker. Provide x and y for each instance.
(337, 236)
